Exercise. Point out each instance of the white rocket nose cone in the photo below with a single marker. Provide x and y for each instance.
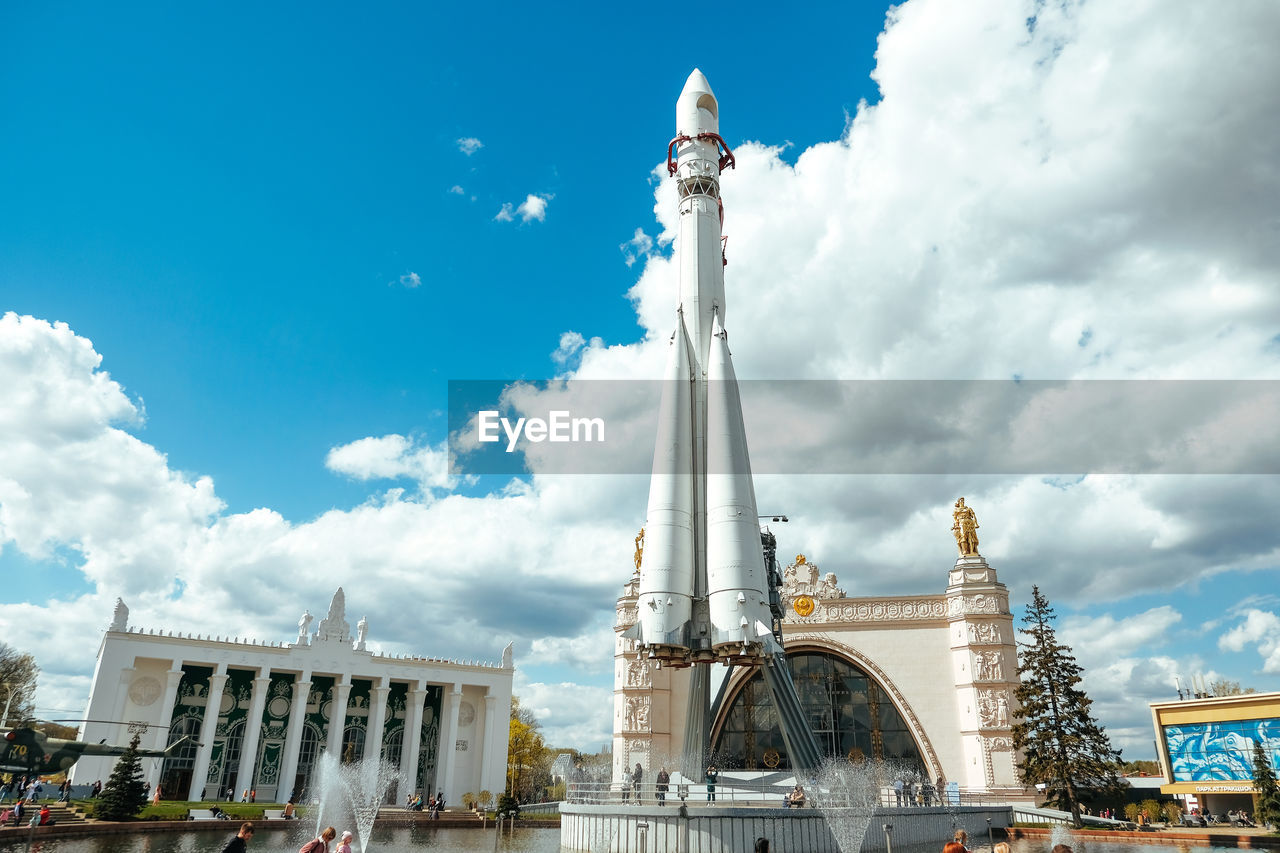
(697, 110)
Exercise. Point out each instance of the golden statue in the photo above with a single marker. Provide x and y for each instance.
(965, 528)
(639, 548)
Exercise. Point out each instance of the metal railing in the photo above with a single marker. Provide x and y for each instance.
(1028, 814)
(538, 809)
(740, 792)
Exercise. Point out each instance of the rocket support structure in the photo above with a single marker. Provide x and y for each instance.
(704, 590)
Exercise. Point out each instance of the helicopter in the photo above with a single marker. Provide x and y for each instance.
(27, 750)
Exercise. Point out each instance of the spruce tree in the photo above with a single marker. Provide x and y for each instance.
(1267, 799)
(125, 793)
(1061, 745)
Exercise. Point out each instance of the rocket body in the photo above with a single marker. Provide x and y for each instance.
(703, 589)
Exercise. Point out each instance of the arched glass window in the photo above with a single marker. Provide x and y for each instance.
(352, 744)
(231, 756)
(849, 713)
(392, 747)
(175, 774)
(307, 758)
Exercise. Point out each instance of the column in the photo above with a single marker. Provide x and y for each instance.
(377, 720)
(158, 738)
(208, 726)
(488, 748)
(252, 733)
(293, 736)
(413, 735)
(338, 715)
(447, 754)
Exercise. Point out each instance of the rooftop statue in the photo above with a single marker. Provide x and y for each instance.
(334, 625)
(120, 620)
(964, 526)
(362, 631)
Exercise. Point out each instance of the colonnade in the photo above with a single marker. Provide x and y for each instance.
(411, 745)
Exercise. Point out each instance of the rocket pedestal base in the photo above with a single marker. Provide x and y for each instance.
(737, 819)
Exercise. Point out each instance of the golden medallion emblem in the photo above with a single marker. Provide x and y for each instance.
(803, 605)
(771, 758)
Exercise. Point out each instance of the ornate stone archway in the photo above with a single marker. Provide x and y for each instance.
(882, 680)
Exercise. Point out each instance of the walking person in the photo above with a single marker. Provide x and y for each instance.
(240, 843)
(320, 844)
(662, 782)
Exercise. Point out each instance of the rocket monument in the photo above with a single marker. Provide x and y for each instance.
(704, 593)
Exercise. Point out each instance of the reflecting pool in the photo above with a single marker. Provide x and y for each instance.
(443, 840)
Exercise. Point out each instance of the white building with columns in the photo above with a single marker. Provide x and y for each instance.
(259, 715)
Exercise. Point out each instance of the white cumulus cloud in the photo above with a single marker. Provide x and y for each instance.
(534, 207)
(469, 145)
(1260, 629)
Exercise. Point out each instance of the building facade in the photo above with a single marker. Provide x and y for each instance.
(1206, 747)
(924, 681)
(257, 716)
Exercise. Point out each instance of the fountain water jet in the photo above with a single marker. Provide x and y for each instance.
(847, 796)
(352, 793)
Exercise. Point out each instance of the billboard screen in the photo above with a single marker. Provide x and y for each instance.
(1204, 752)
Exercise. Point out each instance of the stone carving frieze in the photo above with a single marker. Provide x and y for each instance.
(988, 666)
(977, 603)
(802, 578)
(636, 717)
(993, 708)
(918, 609)
(638, 674)
(984, 633)
(627, 616)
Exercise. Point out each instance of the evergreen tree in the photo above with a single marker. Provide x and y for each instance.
(1267, 799)
(125, 793)
(1062, 746)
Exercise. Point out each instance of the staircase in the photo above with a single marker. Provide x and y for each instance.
(60, 813)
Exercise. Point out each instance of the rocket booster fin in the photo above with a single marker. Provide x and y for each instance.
(737, 587)
(667, 565)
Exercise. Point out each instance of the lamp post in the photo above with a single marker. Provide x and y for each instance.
(991, 839)
(888, 838)
(8, 686)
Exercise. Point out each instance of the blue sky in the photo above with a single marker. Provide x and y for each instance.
(269, 226)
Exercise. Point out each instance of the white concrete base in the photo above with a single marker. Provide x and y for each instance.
(650, 829)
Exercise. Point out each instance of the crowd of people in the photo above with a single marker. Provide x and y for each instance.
(907, 792)
(27, 792)
(432, 806)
